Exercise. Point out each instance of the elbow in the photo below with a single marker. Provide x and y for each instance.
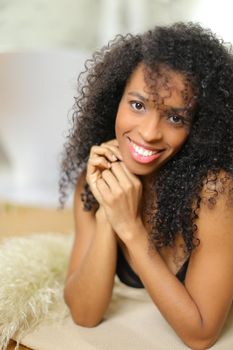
(83, 321)
(203, 345)
(200, 344)
(81, 317)
(200, 337)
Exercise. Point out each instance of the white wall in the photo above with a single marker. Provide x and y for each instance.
(216, 15)
(37, 92)
(88, 24)
(26, 24)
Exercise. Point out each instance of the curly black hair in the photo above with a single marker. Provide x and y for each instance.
(206, 62)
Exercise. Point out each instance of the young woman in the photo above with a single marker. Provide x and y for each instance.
(150, 152)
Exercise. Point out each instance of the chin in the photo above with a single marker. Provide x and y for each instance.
(140, 169)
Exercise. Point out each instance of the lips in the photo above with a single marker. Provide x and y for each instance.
(143, 154)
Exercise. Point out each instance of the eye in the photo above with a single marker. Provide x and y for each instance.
(136, 105)
(176, 119)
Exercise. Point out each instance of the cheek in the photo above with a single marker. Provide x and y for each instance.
(122, 123)
(118, 127)
(177, 139)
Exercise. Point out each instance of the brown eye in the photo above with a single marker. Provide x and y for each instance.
(176, 119)
(138, 106)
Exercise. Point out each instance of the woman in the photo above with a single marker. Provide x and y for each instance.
(150, 153)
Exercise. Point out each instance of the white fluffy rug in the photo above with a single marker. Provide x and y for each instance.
(32, 272)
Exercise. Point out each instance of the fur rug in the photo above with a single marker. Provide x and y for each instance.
(32, 273)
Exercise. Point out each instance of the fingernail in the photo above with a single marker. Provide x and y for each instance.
(114, 158)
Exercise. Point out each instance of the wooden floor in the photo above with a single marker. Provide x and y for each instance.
(17, 220)
(12, 345)
(23, 220)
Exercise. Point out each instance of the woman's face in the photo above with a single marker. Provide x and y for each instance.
(152, 126)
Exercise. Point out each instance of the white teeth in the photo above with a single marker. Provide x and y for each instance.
(147, 153)
(142, 151)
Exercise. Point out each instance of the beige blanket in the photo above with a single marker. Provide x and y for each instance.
(132, 323)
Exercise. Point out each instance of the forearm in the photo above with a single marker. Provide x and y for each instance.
(88, 290)
(167, 292)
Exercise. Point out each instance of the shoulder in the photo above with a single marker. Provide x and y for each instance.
(215, 222)
(217, 190)
(215, 215)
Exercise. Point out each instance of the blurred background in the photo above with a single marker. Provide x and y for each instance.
(43, 46)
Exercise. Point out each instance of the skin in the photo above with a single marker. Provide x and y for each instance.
(145, 121)
(197, 309)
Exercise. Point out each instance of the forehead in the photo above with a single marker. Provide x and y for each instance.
(163, 86)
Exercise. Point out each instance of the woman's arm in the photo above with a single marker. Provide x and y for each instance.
(198, 309)
(92, 265)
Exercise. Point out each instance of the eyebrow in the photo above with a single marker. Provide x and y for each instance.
(137, 94)
(145, 99)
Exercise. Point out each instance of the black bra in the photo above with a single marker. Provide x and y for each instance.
(131, 279)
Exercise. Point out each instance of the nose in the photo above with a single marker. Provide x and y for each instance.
(150, 129)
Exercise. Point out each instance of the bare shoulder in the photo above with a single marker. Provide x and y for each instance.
(217, 189)
(215, 221)
(216, 208)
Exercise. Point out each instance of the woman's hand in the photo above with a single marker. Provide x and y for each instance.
(120, 194)
(101, 157)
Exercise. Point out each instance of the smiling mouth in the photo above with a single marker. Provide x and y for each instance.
(141, 154)
(143, 151)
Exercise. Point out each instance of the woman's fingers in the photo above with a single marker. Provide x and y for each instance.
(108, 149)
(101, 158)
(96, 193)
(123, 174)
(113, 142)
(103, 190)
(110, 180)
(102, 152)
(130, 175)
(113, 149)
(99, 162)
(120, 174)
